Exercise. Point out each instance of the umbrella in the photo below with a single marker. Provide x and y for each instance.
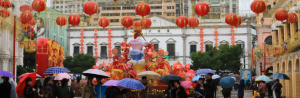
(227, 82)
(257, 80)
(236, 75)
(111, 83)
(280, 76)
(73, 78)
(264, 78)
(186, 84)
(196, 78)
(233, 78)
(149, 75)
(215, 76)
(205, 71)
(96, 72)
(61, 76)
(6, 74)
(131, 83)
(53, 70)
(22, 83)
(172, 77)
(37, 75)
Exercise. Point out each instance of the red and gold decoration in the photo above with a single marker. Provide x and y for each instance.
(281, 15)
(137, 29)
(103, 22)
(38, 5)
(81, 41)
(4, 14)
(201, 40)
(292, 18)
(232, 35)
(231, 19)
(125, 48)
(146, 23)
(127, 22)
(90, 8)
(26, 7)
(109, 44)
(74, 19)
(142, 9)
(30, 45)
(6, 4)
(201, 9)
(96, 46)
(26, 17)
(182, 21)
(61, 21)
(32, 22)
(193, 22)
(258, 6)
(216, 39)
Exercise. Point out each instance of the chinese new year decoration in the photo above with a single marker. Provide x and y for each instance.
(6, 4)
(201, 40)
(81, 41)
(137, 29)
(32, 22)
(232, 35)
(292, 18)
(109, 44)
(281, 15)
(61, 21)
(90, 8)
(96, 46)
(216, 39)
(258, 6)
(201, 9)
(103, 22)
(38, 5)
(182, 21)
(74, 19)
(193, 22)
(125, 48)
(127, 22)
(26, 17)
(4, 14)
(142, 9)
(146, 23)
(26, 7)
(231, 19)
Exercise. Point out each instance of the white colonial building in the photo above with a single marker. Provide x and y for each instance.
(180, 43)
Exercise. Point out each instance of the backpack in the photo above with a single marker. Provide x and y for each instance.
(260, 88)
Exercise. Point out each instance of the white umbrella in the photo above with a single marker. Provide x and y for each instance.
(149, 75)
(96, 72)
(215, 76)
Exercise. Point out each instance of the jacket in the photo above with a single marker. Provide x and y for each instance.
(198, 89)
(241, 88)
(28, 92)
(143, 93)
(100, 90)
(38, 90)
(48, 91)
(112, 92)
(87, 91)
(5, 89)
(169, 93)
(226, 92)
(65, 92)
(209, 88)
(180, 92)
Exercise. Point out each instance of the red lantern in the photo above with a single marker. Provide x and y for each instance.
(38, 5)
(6, 4)
(4, 13)
(201, 9)
(127, 21)
(146, 23)
(26, 7)
(231, 19)
(238, 22)
(32, 22)
(90, 8)
(182, 21)
(26, 17)
(31, 29)
(28, 26)
(193, 22)
(281, 15)
(292, 18)
(74, 19)
(258, 6)
(30, 36)
(103, 22)
(61, 21)
(142, 9)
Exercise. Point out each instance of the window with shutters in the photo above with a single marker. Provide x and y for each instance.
(208, 47)
(90, 50)
(103, 52)
(156, 47)
(171, 49)
(76, 50)
(119, 50)
(193, 48)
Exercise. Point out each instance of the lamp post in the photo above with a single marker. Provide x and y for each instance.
(261, 68)
(262, 21)
(252, 64)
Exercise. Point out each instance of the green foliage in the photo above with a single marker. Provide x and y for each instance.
(21, 70)
(226, 58)
(29, 60)
(254, 73)
(254, 38)
(79, 63)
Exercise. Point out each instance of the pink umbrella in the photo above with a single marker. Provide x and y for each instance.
(61, 76)
(37, 75)
(186, 84)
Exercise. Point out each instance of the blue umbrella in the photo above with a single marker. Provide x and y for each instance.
(53, 70)
(227, 82)
(280, 76)
(196, 78)
(6, 74)
(131, 83)
(205, 71)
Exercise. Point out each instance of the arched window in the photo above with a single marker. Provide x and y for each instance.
(268, 40)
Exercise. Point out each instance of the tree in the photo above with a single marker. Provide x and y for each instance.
(79, 63)
(29, 60)
(21, 70)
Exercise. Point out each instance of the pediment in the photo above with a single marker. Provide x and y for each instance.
(103, 43)
(154, 41)
(208, 42)
(76, 44)
(224, 42)
(117, 44)
(90, 43)
(239, 42)
(193, 42)
(171, 40)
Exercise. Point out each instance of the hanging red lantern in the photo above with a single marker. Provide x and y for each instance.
(127, 21)
(61, 21)
(74, 19)
(26, 17)
(103, 22)
(6, 4)
(281, 15)
(90, 8)
(26, 7)
(32, 22)
(201, 9)
(292, 18)
(258, 6)
(38, 5)
(231, 19)
(4, 13)
(182, 21)
(193, 22)
(146, 23)
(238, 22)
(27, 26)
(142, 9)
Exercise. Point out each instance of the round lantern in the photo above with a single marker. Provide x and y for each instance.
(193, 22)
(4, 13)
(182, 21)
(61, 21)
(32, 22)
(103, 22)
(201, 9)
(31, 29)
(238, 22)
(90, 8)
(127, 21)
(26, 7)
(38, 5)
(25, 17)
(74, 19)
(292, 18)
(142, 9)
(281, 15)
(146, 23)
(231, 19)
(258, 6)
(6, 4)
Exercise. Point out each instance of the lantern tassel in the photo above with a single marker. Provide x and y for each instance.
(104, 30)
(38, 13)
(146, 32)
(257, 18)
(127, 32)
(74, 28)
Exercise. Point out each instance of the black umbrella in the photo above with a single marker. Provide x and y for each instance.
(172, 77)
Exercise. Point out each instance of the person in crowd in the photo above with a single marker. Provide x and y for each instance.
(112, 92)
(13, 93)
(209, 86)
(28, 90)
(199, 89)
(180, 91)
(269, 86)
(47, 91)
(277, 87)
(262, 89)
(226, 92)
(99, 89)
(241, 88)
(38, 89)
(248, 84)
(143, 93)
(55, 87)
(170, 92)
(5, 88)
(88, 89)
(76, 87)
(65, 91)
(128, 94)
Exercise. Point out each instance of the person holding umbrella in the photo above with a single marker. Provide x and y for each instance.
(64, 91)
(180, 91)
(241, 88)
(5, 88)
(28, 90)
(170, 92)
(99, 88)
(200, 89)
(226, 84)
(209, 86)
(48, 88)
(143, 93)
(38, 86)
(277, 87)
(88, 89)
